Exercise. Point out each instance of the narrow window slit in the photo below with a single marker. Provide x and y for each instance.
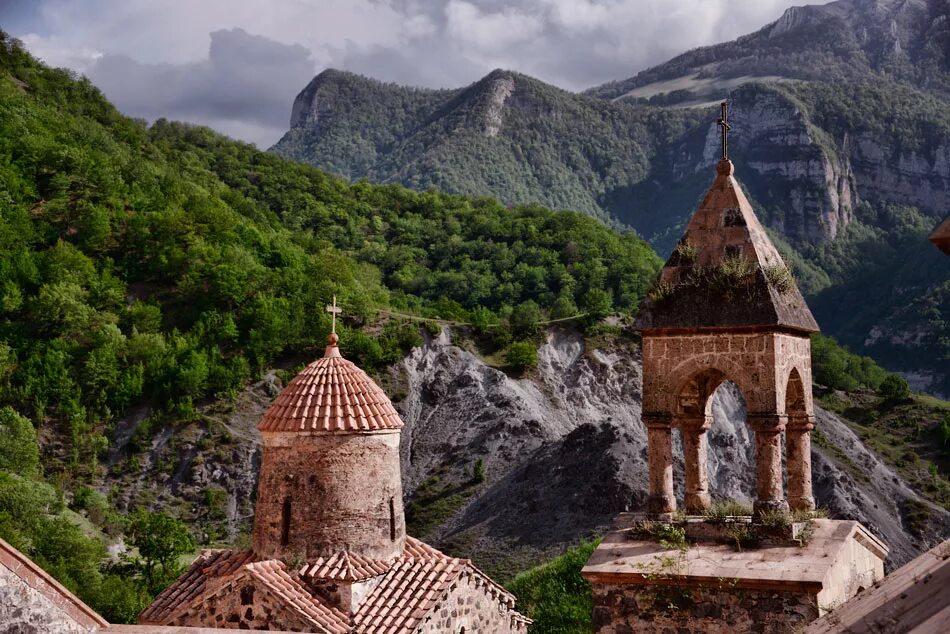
(285, 523)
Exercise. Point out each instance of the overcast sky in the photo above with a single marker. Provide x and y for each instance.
(236, 65)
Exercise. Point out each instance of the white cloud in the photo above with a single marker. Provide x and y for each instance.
(490, 32)
(153, 58)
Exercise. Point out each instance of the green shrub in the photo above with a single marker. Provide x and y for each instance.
(894, 388)
(522, 355)
(478, 471)
(19, 451)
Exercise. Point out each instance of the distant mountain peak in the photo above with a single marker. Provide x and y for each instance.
(907, 41)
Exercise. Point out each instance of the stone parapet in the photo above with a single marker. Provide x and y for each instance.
(780, 586)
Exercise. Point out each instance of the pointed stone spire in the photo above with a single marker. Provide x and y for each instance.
(725, 272)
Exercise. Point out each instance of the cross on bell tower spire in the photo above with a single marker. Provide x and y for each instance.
(725, 131)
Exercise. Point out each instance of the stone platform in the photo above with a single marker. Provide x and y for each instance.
(710, 586)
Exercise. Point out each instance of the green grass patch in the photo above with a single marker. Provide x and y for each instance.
(555, 595)
(910, 435)
(433, 503)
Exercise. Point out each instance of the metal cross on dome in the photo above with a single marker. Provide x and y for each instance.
(334, 310)
(725, 132)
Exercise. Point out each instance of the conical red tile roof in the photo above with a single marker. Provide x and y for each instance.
(331, 395)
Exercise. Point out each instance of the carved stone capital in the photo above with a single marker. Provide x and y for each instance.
(767, 423)
(655, 420)
(697, 424)
(800, 422)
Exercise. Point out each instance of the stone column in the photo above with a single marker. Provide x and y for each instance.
(768, 430)
(798, 460)
(660, 457)
(695, 448)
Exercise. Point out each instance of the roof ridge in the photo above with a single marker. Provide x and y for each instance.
(42, 582)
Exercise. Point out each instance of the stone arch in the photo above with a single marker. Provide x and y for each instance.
(795, 403)
(709, 368)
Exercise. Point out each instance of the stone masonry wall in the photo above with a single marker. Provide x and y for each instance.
(624, 609)
(759, 363)
(25, 610)
(469, 606)
(342, 491)
(242, 604)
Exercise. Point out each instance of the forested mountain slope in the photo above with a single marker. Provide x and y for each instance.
(839, 133)
(157, 284)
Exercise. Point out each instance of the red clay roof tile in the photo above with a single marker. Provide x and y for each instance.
(410, 587)
(344, 566)
(331, 395)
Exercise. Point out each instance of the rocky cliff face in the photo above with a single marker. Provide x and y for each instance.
(563, 452)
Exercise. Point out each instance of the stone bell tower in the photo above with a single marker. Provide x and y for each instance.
(330, 480)
(725, 307)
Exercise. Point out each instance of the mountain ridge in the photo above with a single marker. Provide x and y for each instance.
(823, 158)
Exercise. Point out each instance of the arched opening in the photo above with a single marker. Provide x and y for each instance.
(285, 522)
(695, 397)
(795, 394)
(718, 457)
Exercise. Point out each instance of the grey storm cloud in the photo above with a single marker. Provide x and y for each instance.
(245, 87)
(152, 57)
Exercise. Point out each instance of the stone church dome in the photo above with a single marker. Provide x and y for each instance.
(331, 395)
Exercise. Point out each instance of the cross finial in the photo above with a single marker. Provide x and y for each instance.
(725, 131)
(334, 310)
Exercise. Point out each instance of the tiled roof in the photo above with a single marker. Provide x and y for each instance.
(344, 566)
(331, 394)
(409, 589)
(414, 586)
(194, 582)
(274, 575)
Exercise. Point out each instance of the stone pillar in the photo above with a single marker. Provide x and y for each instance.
(660, 457)
(798, 459)
(695, 448)
(768, 462)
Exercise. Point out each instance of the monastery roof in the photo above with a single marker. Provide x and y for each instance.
(941, 236)
(331, 395)
(915, 597)
(344, 566)
(725, 272)
(408, 590)
(37, 579)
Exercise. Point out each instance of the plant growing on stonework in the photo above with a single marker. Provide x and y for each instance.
(732, 273)
(779, 277)
(775, 519)
(686, 253)
(721, 512)
(671, 537)
(666, 596)
(741, 535)
(661, 291)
